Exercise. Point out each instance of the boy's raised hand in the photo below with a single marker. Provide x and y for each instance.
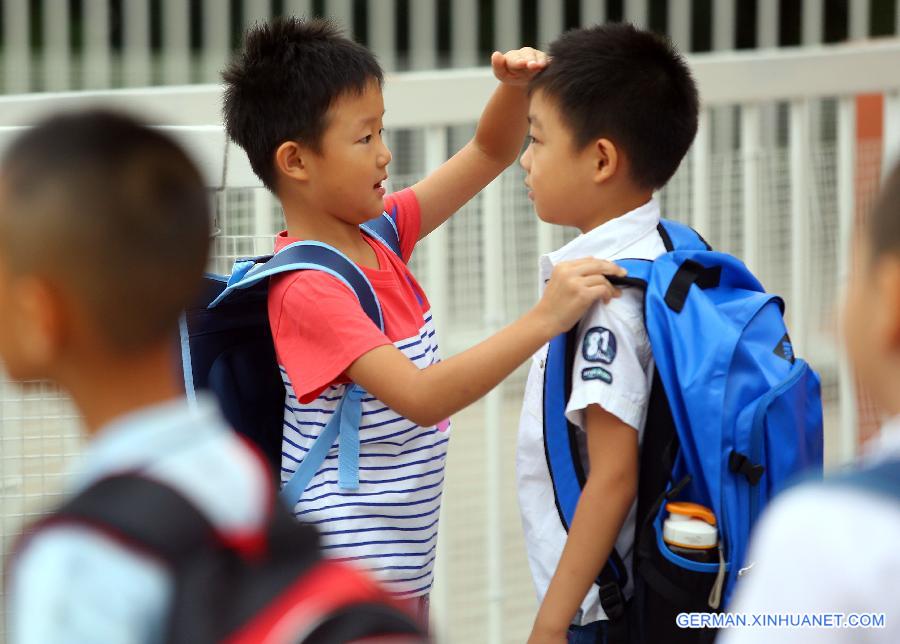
(518, 66)
(572, 288)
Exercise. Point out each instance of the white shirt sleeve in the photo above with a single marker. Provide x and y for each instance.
(612, 361)
(822, 550)
(73, 585)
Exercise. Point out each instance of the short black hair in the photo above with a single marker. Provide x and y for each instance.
(279, 88)
(631, 86)
(884, 222)
(115, 214)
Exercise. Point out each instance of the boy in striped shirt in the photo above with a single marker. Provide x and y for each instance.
(306, 105)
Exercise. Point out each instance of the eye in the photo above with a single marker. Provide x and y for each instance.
(532, 140)
(365, 139)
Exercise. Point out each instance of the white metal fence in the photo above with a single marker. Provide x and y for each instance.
(785, 199)
(53, 45)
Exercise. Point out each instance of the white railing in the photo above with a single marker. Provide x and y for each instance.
(804, 187)
(117, 45)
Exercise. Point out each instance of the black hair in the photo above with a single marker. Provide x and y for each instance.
(630, 86)
(279, 88)
(113, 212)
(884, 223)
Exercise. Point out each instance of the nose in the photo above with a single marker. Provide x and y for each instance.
(384, 155)
(525, 159)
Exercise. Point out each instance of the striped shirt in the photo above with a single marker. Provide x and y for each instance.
(388, 525)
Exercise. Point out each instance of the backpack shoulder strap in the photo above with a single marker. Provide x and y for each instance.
(566, 472)
(677, 236)
(141, 512)
(384, 229)
(307, 255)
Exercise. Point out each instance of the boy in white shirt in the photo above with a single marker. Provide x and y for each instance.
(832, 547)
(611, 118)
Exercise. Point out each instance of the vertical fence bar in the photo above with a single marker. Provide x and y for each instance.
(299, 8)
(858, 17)
(723, 36)
(507, 25)
(423, 34)
(848, 436)
(341, 11)
(700, 176)
(437, 247)
(383, 32)
(492, 232)
(136, 44)
(549, 21)
(256, 11)
(95, 63)
(216, 40)
(16, 47)
(750, 118)
(464, 33)
(680, 24)
(891, 140)
(57, 46)
(812, 22)
(766, 24)
(636, 13)
(550, 25)
(593, 12)
(176, 42)
(800, 251)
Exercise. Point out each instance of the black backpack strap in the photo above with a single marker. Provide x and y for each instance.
(143, 513)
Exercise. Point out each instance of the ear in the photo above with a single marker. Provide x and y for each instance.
(887, 274)
(41, 324)
(606, 160)
(290, 160)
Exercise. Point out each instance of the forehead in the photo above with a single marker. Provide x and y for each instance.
(352, 108)
(543, 111)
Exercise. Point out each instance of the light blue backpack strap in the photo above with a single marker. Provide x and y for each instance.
(306, 255)
(293, 490)
(384, 229)
(348, 438)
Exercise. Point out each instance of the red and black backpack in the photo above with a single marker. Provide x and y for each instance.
(272, 587)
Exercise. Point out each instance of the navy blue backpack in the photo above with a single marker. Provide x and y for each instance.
(227, 349)
(733, 416)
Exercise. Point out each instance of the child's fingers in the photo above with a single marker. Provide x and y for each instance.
(600, 266)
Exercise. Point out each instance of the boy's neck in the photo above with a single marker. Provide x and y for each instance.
(311, 224)
(615, 206)
(112, 386)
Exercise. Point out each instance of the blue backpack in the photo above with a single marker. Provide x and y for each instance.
(733, 416)
(227, 348)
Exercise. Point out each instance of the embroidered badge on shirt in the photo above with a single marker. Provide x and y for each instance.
(596, 373)
(599, 345)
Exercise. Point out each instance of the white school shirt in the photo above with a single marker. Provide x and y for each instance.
(825, 549)
(613, 368)
(77, 585)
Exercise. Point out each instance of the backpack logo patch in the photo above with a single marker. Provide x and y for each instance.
(599, 345)
(785, 349)
(596, 373)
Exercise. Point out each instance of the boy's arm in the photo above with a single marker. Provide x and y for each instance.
(428, 396)
(497, 141)
(607, 496)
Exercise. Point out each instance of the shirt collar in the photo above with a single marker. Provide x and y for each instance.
(138, 438)
(607, 240)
